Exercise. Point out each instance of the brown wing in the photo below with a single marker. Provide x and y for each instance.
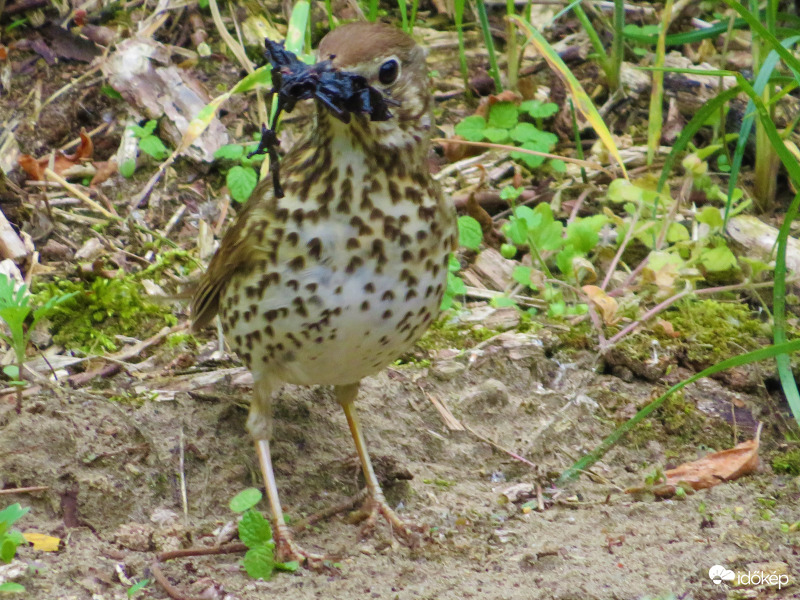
(249, 239)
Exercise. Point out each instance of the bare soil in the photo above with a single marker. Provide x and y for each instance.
(114, 495)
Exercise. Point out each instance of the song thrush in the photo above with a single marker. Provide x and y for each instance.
(333, 281)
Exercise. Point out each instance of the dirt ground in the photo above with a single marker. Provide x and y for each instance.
(113, 471)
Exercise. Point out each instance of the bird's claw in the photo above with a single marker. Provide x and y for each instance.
(288, 550)
(409, 533)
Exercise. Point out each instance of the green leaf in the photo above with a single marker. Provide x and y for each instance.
(12, 371)
(289, 566)
(471, 128)
(718, 259)
(531, 160)
(501, 302)
(518, 230)
(7, 550)
(582, 236)
(230, 152)
(154, 147)
(452, 263)
(470, 234)
(710, 215)
(622, 190)
(496, 135)
(544, 141)
(12, 514)
(9, 587)
(559, 166)
(522, 275)
(538, 109)
(137, 587)
(455, 285)
(128, 168)
(503, 115)
(254, 529)
(677, 233)
(511, 193)
(110, 92)
(259, 562)
(241, 182)
(245, 500)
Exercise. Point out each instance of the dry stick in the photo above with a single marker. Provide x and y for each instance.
(618, 256)
(182, 465)
(575, 161)
(670, 301)
(25, 490)
(50, 174)
(171, 590)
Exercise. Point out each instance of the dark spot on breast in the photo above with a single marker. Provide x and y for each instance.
(411, 294)
(388, 295)
(369, 288)
(293, 238)
(297, 263)
(293, 283)
(407, 256)
(354, 264)
(387, 314)
(311, 287)
(394, 192)
(365, 306)
(315, 248)
(353, 244)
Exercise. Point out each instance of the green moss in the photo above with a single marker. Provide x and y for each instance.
(788, 462)
(712, 331)
(446, 334)
(101, 310)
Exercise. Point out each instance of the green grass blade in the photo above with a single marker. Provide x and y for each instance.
(582, 100)
(494, 71)
(657, 95)
(788, 382)
(458, 9)
(764, 75)
(298, 24)
(735, 361)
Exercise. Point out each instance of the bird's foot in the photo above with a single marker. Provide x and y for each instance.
(409, 533)
(288, 550)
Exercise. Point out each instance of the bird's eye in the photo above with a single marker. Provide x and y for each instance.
(389, 71)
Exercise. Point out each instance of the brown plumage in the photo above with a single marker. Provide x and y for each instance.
(335, 280)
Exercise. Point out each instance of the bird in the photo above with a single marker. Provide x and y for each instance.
(338, 278)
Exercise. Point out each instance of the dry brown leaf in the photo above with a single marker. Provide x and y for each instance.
(62, 163)
(712, 469)
(105, 169)
(667, 328)
(605, 304)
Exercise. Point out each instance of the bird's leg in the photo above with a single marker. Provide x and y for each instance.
(376, 502)
(259, 423)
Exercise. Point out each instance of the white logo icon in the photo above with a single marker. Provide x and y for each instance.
(718, 574)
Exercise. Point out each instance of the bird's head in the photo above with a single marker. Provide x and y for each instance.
(392, 63)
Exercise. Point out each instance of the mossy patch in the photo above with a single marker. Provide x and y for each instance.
(101, 310)
(712, 331)
(788, 462)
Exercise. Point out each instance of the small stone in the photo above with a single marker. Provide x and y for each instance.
(54, 250)
(135, 536)
(490, 394)
(447, 370)
(90, 250)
